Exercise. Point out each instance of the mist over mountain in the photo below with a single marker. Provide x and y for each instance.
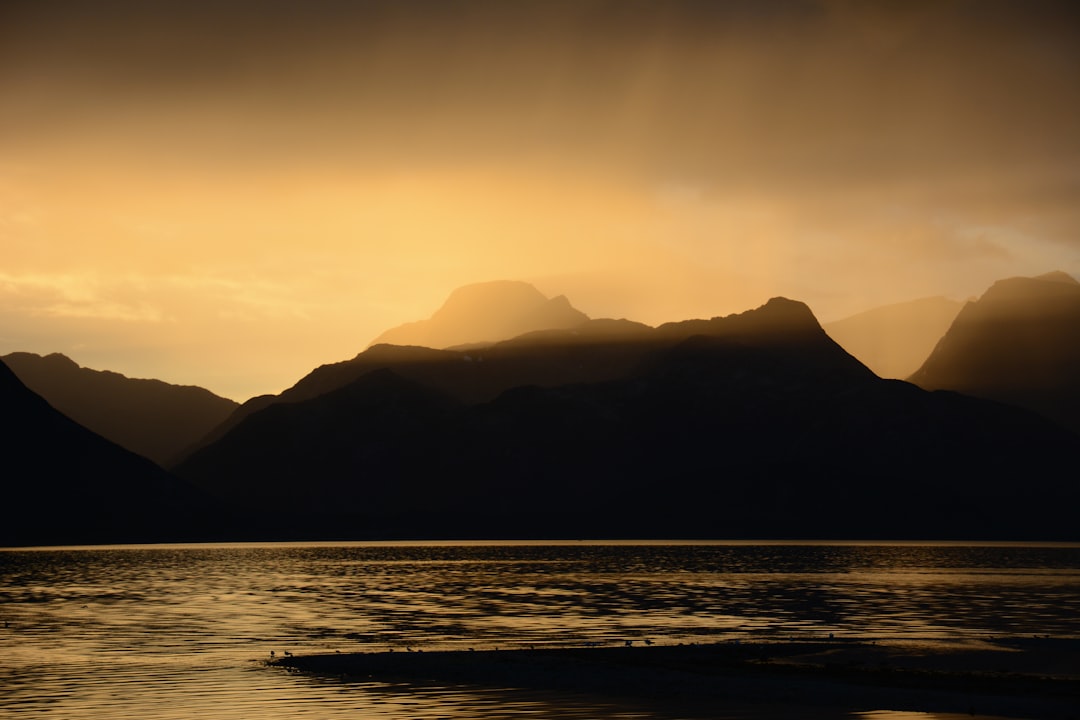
(62, 483)
(484, 313)
(149, 417)
(753, 425)
(895, 340)
(1019, 344)
(586, 350)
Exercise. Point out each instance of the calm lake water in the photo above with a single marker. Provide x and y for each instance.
(164, 632)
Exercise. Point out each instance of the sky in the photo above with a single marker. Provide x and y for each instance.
(231, 193)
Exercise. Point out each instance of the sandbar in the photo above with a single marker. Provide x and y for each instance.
(1035, 678)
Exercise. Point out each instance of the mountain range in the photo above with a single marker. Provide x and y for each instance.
(149, 417)
(756, 424)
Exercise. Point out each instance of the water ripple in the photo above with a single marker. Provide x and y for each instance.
(175, 632)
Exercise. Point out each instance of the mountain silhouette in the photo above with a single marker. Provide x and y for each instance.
(593, 351)
(1019, 344)
(484, 313)
(62, 483)
(149, 417)
(753, 425)
(895, 340)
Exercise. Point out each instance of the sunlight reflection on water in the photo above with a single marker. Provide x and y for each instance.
(171, 632)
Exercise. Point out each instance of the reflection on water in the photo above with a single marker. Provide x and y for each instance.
(904, 715)
(184, 629)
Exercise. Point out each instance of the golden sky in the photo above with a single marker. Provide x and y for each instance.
(230, 193)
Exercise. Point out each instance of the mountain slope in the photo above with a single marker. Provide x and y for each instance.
(484, 313)
(1019, 344)
(895, 340)
(752, 425)
(149, 417)
(62, 483)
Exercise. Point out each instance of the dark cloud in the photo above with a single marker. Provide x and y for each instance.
(829, 88)
(778, 96)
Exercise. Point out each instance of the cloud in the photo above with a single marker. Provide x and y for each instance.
(71, 295)
(100, 310)
(246, 298)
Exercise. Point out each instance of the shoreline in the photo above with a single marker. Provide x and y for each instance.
(1034, 678)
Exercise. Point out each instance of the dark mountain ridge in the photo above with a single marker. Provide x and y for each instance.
(152, 418)
(63, 484)
(754, 425)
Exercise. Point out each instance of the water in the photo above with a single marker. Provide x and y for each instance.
(165, 632)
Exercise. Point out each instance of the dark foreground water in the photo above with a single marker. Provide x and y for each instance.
(163, 632)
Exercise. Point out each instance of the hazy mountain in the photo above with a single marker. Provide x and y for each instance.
(149, 417)
(757, 424)
(895, 340)
(1019, 343)
(484, 313)
(62, 483)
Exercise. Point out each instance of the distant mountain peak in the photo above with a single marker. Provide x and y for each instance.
(57, 361)
(794, 310)
(487, 312)
(1057, 276)
(1019, 344)
(1030, 289)
(491, 290)
(560, 301)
